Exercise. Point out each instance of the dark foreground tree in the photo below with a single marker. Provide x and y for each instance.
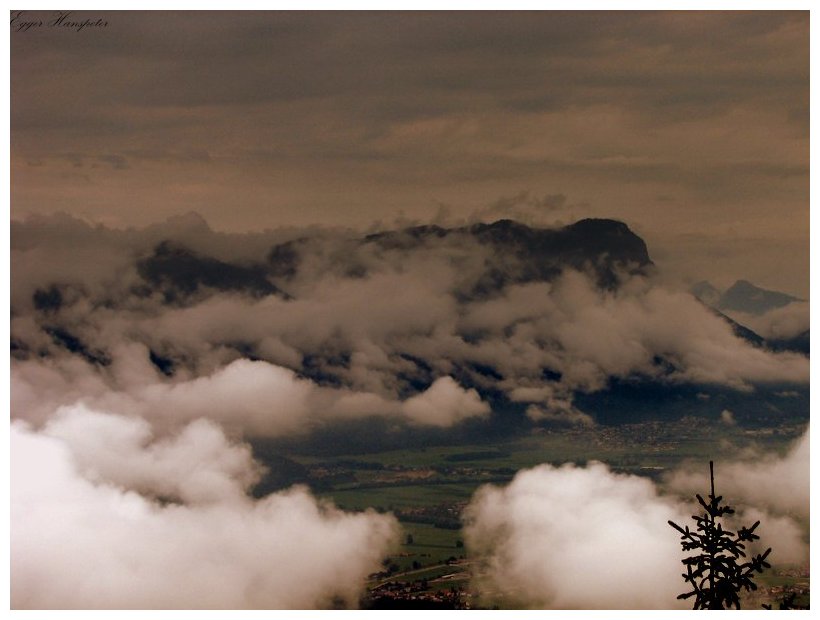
(718, 570)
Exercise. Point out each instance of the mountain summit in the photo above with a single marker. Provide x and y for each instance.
(490, 257)
(742, 296)
(517, 253)
(606, 247)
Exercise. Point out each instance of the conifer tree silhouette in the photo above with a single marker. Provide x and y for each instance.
(715, 572)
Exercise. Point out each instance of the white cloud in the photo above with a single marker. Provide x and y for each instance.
(560, 412)
(779, 484)
(263, 399)
(444, 403)
(197, 465)
(780, 323)
(577, 538)
(256, 397)
(727, 417)
(78, 543)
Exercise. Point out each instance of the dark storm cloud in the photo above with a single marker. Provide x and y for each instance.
(343, 116)
(497, 57)
(183, 59)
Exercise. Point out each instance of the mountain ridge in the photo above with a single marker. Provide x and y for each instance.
(518, 253)
(742, 296)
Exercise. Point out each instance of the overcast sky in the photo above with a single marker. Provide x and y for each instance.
(691, 127)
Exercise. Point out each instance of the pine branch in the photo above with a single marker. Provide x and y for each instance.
(716, 575)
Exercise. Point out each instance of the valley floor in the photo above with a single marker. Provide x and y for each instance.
(428, 488)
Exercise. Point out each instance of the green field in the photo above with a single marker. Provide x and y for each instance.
(391, 498)
(628, 446)
(430, 546)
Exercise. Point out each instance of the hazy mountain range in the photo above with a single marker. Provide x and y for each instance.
(531, 321)
(747, 303)
(742, 296)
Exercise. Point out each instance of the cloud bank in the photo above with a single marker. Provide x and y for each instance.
(779, 484)
(351, 328)
(89, 529)
(779, 323)
(576, 538)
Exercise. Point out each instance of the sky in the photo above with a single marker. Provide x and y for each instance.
(693, 127)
